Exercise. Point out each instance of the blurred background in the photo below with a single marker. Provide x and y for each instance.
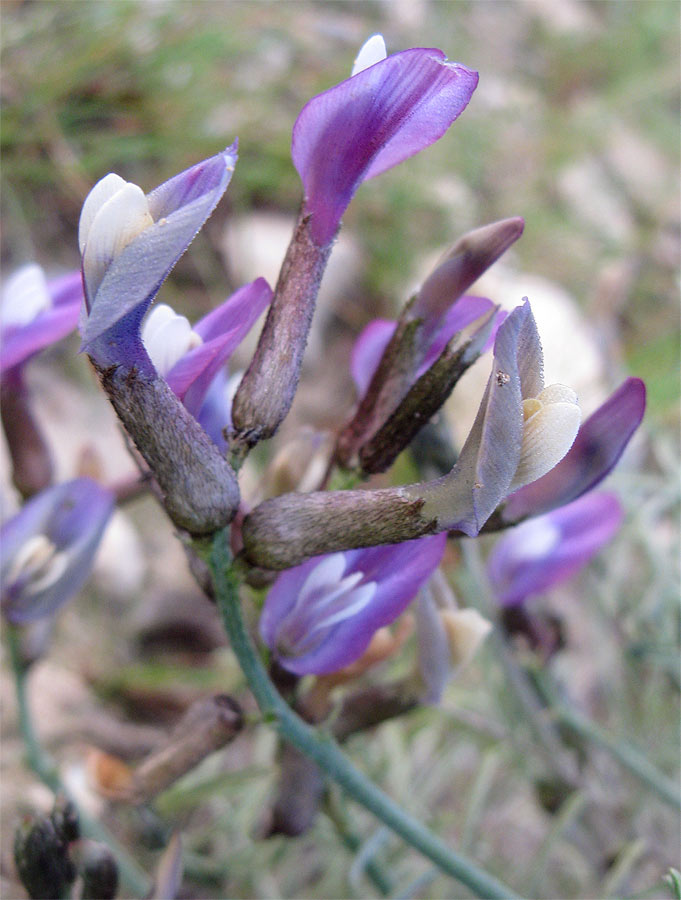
(574, 126)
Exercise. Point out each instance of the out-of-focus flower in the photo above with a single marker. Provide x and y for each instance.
(49, 547)
(549, 549)
(35, 313)
(521, 431)
(321, 616)
(388, 110)
(448, 636)
(599, 444)
(129, 242)
(190, 358)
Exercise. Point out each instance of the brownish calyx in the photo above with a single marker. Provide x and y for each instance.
(286, 530)
(200, 490)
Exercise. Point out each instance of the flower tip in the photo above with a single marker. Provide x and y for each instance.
(104, 190)
(231, 155)
(372, 51)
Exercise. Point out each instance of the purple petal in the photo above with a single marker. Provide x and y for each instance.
(179, 208)
(370, 123)
(371, 343)
(216, 411)
(600, 442)
(551, 548)
(368, 350)
(49, 327)
(398, 571)
(460, 314)
(18, 344)
(72, 516)
(223, 329)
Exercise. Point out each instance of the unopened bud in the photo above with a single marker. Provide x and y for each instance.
(470, 256)
(115, 212)
(466, 629)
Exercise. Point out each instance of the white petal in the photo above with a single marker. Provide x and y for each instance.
(327, 573)
(557, 393)
(24, 296)
(167, 337)
(160, 314)
(117, 222)
(104, 190)
(372, 51)
(547, 437)
(353, 602)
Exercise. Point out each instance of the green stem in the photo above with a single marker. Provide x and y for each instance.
(354, 843)
(324, 751)
(133, 878)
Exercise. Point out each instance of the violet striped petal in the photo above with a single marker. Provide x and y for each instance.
(49, 547)
(370, 123)
(551, 548)
(321, 615)
(599, 444)
(178, 208)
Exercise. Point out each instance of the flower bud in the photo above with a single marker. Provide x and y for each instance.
(466, 629)
(115, 212)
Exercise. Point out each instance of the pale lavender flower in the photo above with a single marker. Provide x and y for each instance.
(599, 444)
(129, 242)
(49, 547)
(388, 110)
(549, 549)
(321, 615)
(35, 313)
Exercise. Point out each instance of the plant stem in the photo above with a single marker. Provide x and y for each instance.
(627, 755)
(324, 751)
(354, 843)
(133, 878)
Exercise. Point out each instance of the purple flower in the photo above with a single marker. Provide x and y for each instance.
(388, 110)
(35, 313)
(600, 442)
(374, 339)
(549, 549)
(321, 615)
(49, 547)
(190, 358)
(521, 431)
(129, 242)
